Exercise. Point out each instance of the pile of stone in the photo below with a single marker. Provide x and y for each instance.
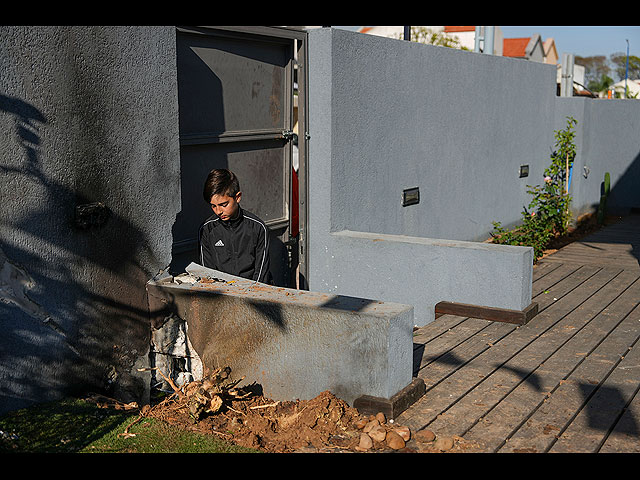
(376, 433)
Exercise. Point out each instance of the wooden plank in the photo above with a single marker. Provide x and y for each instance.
(568, 284)
(543, 268)
(599, 261)
(610, 253)
(606, 404)
(581, 258)
(445, 365)
(514, 373)
(539, 369)
(552, 279)
(440, 361)
(451, 330)
(584, 260)
(394, 406)
(625, 246)
(517, 317)
(627, 266)
(625, 437)
(442, 391)
(435, 329)
(449, 339)
(577, 366)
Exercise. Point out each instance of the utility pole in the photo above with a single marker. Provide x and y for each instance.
(566, 78)
(484, 40)
(407, 33)
(626, 71)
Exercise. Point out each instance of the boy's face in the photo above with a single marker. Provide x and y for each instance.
(224, 206)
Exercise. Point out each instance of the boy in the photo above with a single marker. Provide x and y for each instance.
(233, 240)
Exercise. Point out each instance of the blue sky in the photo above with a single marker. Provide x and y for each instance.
(584, 41)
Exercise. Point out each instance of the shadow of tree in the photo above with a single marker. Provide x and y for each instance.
(73, 306)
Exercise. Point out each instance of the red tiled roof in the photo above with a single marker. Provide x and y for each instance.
(514, 47)
(459, 29)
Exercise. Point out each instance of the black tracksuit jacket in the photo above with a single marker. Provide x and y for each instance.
(238, 246)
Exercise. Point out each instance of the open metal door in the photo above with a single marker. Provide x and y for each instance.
(236, 111)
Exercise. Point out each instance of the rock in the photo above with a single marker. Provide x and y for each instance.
(365, 443)
(378, 433)
(404, 432)
(360, 423)
(394, 440)
(373, 423)
(425, 436)
(381, 418)
(443, 444)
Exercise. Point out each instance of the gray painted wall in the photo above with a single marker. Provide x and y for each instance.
(458, 125)
(455, 124)
(88, 114)
(607, 140)
(387, 115)
(365, 150)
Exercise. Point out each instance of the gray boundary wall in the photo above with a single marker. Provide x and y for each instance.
(388, 115)
(607, 140)
(377, 128)
(458, 125)
(88, 114)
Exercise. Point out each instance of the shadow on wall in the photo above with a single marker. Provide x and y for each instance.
(72, 300)
(624, 200)
(625, 193)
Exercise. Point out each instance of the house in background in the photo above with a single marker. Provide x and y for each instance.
(465, 35)
(528, 48)
(550, 52)
(389, 32)
(632, 85)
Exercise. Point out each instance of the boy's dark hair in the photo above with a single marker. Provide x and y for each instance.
(220, 181)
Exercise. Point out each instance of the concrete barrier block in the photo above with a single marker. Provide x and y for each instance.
(422, 272)
(295, 344)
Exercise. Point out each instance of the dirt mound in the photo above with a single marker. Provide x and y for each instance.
(243, 416)
(260, 423)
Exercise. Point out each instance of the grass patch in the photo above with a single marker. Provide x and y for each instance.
(77, 426)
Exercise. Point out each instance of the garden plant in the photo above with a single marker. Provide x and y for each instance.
(547, 215)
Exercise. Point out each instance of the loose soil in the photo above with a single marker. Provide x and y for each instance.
(324, 424)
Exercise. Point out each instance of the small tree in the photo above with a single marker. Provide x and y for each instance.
(548, 214)
(433, 37)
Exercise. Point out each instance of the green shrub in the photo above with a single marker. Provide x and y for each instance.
(548, 214)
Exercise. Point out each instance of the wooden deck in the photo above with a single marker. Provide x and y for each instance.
(567, 381)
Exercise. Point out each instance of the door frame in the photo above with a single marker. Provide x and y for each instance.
(299, 39)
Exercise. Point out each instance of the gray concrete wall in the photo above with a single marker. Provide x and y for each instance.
(379, 124)
(88, 114)
(456, 124)
(388, 115)
(607, 140)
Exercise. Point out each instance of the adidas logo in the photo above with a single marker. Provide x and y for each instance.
(219, 243)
